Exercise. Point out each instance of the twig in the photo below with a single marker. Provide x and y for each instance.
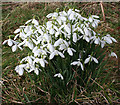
(101, 4)
(104, 98)
(46, 93)
(96, 83)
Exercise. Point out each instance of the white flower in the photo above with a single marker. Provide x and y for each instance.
(20, 69)
(58, 75)
(34, 21)
(96, 39)
(78, 63)
(90, 58)
(113, 54)
(27, 43)
(70, 51)
(56, 52)
(53, 15)
(41, 61)
(108, 39)
(10, 42)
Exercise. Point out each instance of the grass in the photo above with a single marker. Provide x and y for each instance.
(18, 89)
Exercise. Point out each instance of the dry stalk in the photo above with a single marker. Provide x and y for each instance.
(96, 83)
(101, 4)
(48, 94)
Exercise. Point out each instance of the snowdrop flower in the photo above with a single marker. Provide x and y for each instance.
(95, 39)
(10, 42)
(90, 58)
(91, 18)
(67, 28)
(34, 21)
(113, 54)
(53, 15)
(62, 31)
(108, 39)
(27, 43)
(41, 61)
(28, 59)
(59, 75)
(20, 69)
(58, 42)
(56, 52)
(70, 51)
(78, 63)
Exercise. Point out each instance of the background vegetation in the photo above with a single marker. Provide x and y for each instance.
(22, 89)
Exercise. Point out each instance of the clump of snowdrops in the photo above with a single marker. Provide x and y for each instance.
(64, 49)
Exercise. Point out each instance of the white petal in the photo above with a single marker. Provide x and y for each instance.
(90, 19)
(50, 47)
(17, 68)
(95, 16)
(27, 29)
(36, 71)
(55, 75)
(68, 30)
(74, 63)
(77, 10)
(59, 41)
(52, 55)
(108, 40)
(95, 60)
(87, 39)
(49, 15)
(80, 30)
(14, 48)
(30, 45)
(35, 22)
(102, 44)
(52, 31)
(61, 77)
(20, 71)
(93, 24)
(63, 18)
(96, 41)
(70, 51)
(74, 37)
(87, 60)
(42, 62)
(16, 36)
(10, 43)
(5, 42)
(71, 17)
(86, 31)
(114, 40)
(40, 31)
(69, 11)
(81, 66)
(28, 21)
(61, 54)
(16, 31)
(113, 54)
(57, 33)
(30, 60)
